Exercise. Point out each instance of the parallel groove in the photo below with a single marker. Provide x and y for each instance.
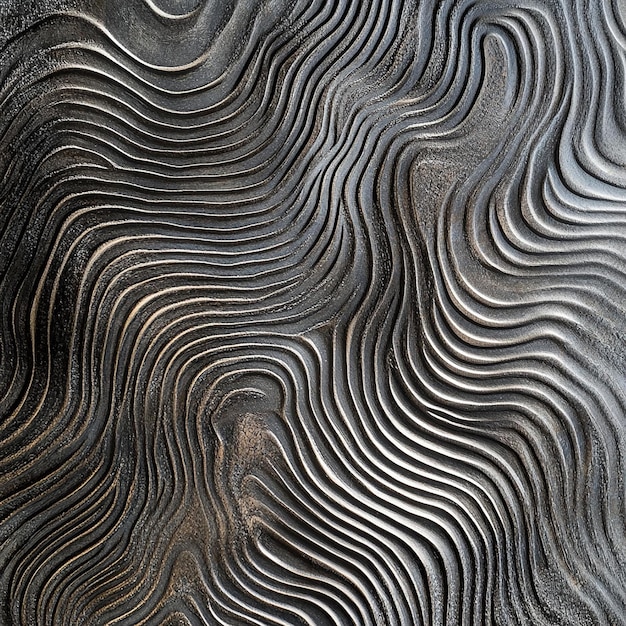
(312, 312)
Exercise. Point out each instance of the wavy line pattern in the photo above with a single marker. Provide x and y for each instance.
(312, 312)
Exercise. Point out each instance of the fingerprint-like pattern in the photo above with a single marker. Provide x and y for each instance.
(312, 312)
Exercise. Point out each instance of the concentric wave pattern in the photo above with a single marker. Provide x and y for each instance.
(312, 312)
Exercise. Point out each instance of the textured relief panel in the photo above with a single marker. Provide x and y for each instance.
(312, 312)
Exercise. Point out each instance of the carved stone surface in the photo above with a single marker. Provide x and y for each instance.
(313, 312)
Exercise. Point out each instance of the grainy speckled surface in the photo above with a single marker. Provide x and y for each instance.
(312, 312)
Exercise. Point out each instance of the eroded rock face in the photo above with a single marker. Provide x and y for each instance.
(312, 312)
